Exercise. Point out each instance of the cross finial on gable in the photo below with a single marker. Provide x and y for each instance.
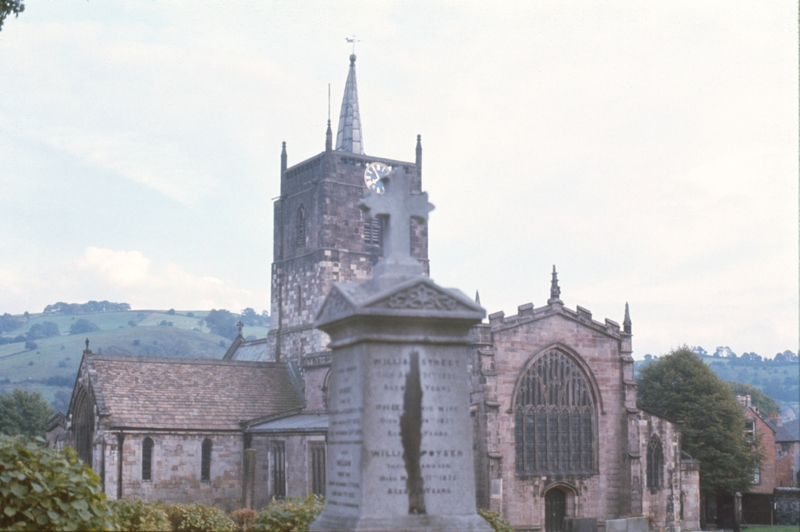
(397, 206)
(240, 326)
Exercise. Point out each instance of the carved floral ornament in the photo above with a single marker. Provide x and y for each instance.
(420, 297)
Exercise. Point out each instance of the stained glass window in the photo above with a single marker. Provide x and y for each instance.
(554, 418)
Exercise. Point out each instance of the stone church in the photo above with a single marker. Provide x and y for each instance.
(556, 429)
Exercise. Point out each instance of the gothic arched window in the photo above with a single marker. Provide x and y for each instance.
(205, 463)
(554, 418)
(147, 459)
(655, 463)
(300, 228)
(84, 423)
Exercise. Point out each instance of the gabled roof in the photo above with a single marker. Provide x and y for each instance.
(792, 429)
(783, 433)
(252, 350)
(187, 394)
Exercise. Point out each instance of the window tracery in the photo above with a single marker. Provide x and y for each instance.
(554, 418)
(85, 427)
(655, 463)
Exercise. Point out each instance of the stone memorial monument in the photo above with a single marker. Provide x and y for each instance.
(399, 452)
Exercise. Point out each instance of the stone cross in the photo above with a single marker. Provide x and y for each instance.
(398, 206)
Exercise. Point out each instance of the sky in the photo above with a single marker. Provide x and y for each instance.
(648, 150)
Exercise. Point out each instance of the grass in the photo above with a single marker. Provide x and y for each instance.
(768, 528)
(135, 332)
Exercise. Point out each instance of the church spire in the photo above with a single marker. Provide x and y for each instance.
(348, 138)
(555, 290)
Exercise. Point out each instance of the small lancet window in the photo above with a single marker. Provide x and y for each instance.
(300, 228)
(205, 463)
(655, 463)
(147, 459)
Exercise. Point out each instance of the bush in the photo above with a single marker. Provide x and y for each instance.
(243, 518)
(289, 515)
(30, 345)
(138, 516)
(495, 521)
(197, 518)
(44, 489)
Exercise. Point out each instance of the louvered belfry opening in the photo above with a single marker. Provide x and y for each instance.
(554, 418)
(655, 462)
(373, 232)
(300, 228)
(85, 427)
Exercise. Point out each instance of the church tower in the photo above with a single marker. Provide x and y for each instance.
(322, 237)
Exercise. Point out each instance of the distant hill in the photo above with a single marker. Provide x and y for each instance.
(51, 366)
(778, 378)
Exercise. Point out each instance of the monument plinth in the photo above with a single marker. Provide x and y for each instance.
(399, 448)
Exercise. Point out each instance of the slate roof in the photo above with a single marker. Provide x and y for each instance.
(253, 350)
(298, 423)
(188, 394)
(785, 433)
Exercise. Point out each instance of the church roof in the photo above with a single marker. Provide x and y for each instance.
(188, 394)
(297, 423)
(348, 138)
(252, 350)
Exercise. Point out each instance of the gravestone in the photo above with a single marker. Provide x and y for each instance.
(399, 448)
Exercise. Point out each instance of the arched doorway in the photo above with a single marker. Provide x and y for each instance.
(555, 509)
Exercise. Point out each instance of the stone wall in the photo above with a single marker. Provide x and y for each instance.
(176, 463)
(516, 341)
(501, 351)
(297, 464)
(787, 506)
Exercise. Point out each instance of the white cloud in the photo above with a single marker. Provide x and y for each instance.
(122, 276)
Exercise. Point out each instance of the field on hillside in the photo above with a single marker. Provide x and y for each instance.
(52, 366)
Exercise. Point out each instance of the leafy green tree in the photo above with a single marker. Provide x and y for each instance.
(46, 329)
(44, 489)
(681, 387)
(765, 404)
(83, 326)
(24, 413)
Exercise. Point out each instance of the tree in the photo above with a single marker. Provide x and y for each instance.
(681, 387)
(24, 413)
(46, 329)
(765, 404)
(83, 326)
(222, 323)
(30, 345)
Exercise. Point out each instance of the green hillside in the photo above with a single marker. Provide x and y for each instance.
(51, 367)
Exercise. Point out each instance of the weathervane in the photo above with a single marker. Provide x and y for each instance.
(353, 41)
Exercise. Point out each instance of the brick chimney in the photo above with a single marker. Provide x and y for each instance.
(777, 419)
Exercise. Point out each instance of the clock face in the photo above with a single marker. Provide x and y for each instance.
(373, 175)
